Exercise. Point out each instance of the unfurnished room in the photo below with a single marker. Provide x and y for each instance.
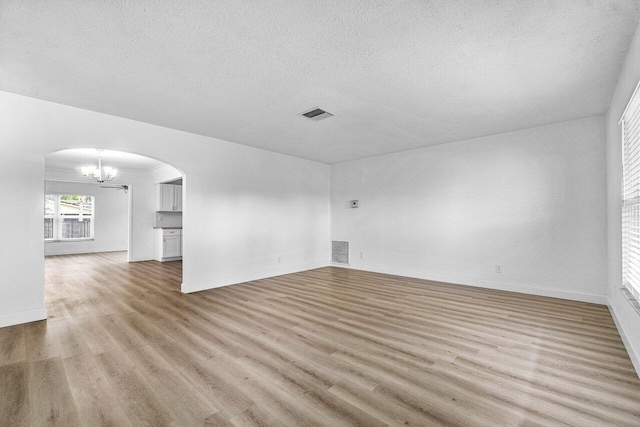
(320, 213)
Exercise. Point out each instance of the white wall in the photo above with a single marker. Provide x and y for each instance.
(627, 319)
(142, 204)
(531, 201)
(111, 222)
(243, 207)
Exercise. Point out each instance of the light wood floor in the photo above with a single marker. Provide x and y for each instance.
(329, 347)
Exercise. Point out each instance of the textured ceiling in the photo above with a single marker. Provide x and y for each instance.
(396, 74)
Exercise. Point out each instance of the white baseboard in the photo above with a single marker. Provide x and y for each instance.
(175, 258)
(633, 354)
(23, 317)
(140, 259)
(481, 283)
(233, 280)
(531, 290)
(80, 252)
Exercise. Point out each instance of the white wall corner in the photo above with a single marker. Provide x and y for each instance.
(23, 317)
(188, 288)
(634, 354)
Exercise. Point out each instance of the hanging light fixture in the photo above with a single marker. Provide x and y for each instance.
(100, 174)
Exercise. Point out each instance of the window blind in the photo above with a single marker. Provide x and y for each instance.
(630, 122)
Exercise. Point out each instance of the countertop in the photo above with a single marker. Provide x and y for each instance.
(167, 228)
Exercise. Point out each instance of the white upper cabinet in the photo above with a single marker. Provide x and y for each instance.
(165, 197)
(168, 198)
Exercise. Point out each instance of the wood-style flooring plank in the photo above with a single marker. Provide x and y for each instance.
(94, 398)
(325, 347)
(41, 341)
(70, 338)
(50, 397)
(14, 396)
(56, 309)
(208, 377)
(184, 401)
(140, 401)
(12, 345)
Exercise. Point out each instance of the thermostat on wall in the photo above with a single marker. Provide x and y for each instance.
(354, 203)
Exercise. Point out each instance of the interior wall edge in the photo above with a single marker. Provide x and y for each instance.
(190, 287)
(634, 355)
(25, 316)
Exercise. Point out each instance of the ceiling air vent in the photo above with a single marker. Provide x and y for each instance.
(317, 114)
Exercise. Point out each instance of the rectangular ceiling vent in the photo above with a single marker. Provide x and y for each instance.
(317, 114)
(340, 252)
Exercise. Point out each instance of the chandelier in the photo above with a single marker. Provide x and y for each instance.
(99, 174)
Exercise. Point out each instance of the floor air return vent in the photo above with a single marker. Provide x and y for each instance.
(340, 252)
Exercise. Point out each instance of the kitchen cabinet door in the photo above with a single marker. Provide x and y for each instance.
(178, 198)
(165, 197)
(172, 246)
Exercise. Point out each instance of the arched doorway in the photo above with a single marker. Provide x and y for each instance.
(107, 224)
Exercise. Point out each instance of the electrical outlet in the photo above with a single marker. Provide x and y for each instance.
(498, 268)
(353, 204)
(361, 255)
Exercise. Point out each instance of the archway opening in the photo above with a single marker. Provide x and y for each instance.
(101, 230)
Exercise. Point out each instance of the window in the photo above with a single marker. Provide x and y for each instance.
(631, 195)
(68, 217)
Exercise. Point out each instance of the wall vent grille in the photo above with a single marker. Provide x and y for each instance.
(340, 252)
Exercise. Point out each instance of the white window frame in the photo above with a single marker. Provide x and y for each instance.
(58, 219)
(630, 203)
